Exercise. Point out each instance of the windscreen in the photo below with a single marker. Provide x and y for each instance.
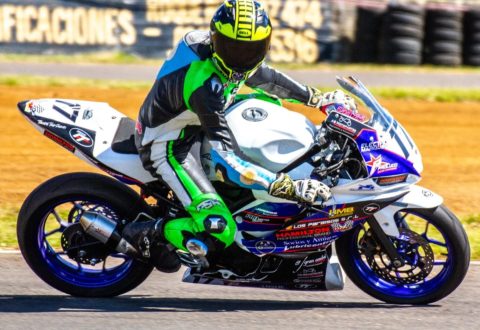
(391, 133)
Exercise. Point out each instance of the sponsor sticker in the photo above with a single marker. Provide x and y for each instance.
(60, 141)
(254, 114)
(427, 193)
(364, 187)
(340, 227)
(265, 246)
(375, 145)
(255, 219)
(81, 137)
(345, 120)
(208, 204)
(385, 181)
(34, 108)
(355, 115)
(371, 208)
(343, 124)
(51, 124)
(341, 212)
(379, 166)
(313, 262)
(302, 233)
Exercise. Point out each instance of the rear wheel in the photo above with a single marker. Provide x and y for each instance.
(58, 250)
(432, 243)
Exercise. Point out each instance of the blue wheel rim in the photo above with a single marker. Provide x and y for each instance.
(69, 270)
(411, 291)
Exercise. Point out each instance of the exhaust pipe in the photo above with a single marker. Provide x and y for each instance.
(103, 229)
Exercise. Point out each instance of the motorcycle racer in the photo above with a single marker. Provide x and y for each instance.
(192, 90)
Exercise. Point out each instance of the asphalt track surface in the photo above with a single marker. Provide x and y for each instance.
(164, 302)
(325, 77)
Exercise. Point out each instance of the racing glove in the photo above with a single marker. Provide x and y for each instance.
(306, 190)
(324, 101)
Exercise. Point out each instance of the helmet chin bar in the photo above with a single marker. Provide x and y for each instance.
(231, 74)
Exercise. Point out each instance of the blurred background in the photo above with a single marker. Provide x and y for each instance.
(421, 58)
(442, 32)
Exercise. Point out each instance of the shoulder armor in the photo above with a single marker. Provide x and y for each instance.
(199, 42)
(197, 37)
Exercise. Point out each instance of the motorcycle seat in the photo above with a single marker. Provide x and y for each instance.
(124, 139)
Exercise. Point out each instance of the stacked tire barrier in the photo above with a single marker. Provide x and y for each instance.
(471, 45)
(443, 37)
(411, 34)
(367, 35)
(402, 35)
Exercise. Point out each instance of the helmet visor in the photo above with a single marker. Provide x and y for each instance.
(239, 55)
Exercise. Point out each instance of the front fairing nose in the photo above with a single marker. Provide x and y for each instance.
(21, 106)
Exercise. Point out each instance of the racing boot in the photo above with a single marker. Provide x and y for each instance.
(147, 238)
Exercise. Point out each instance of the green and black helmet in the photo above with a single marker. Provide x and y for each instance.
(240, 32)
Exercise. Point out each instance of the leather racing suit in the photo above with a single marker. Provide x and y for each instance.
(188, 97)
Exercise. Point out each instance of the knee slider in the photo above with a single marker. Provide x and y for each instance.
(215, 224)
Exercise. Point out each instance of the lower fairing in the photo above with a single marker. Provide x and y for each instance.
(315, 272)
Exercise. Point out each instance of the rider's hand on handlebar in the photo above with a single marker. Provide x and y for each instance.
(323, 101)
(306, 190)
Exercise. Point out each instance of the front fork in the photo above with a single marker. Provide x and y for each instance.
(383, 222)
(385, 243)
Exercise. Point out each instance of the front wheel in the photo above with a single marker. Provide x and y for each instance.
(57, 249)
(434, 246)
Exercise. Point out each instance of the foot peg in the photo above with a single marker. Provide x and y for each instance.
(196, 247)
(199, 250)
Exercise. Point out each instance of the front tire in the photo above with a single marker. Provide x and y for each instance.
(52, 208)
(450, 264)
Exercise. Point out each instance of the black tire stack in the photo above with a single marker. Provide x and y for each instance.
(365, 47)
(443, 37)
(402, 35)
(471, 44)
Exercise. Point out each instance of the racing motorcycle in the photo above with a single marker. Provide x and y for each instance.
(394, 239)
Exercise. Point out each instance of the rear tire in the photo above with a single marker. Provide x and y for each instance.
(455, 270)
(55, 268)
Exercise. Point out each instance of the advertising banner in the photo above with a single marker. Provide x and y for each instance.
(304, 30)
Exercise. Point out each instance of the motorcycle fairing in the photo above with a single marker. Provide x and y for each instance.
(261, 233)
(379, 160)
(266, 217)
(86, 129)
(417, 197)
(315, 272)
(390, 131)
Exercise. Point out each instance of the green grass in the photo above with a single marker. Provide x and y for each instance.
(417, 94)
(8, 237)
(26, 80)
(8, 223)
(428, 94)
